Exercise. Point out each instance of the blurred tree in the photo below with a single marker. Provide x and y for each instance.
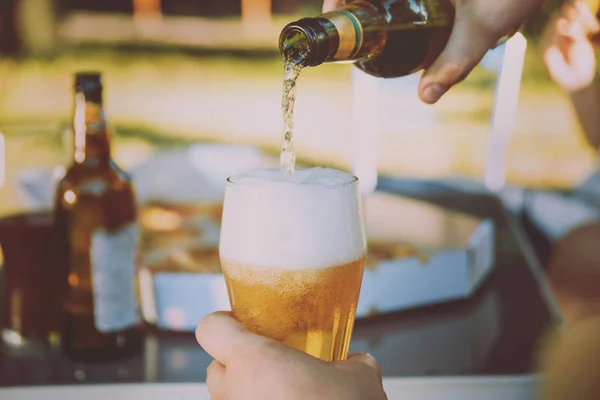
(9, 40)
(28, 28)
(37, 27)
(204, 8)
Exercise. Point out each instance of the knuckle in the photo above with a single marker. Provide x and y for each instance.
(248, 359)
(206, 320)
(214, 380)
(203, 326)
(455, 72)
(213, 368)
(269, 346)
(238, 364)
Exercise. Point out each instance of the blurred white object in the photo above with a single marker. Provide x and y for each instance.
(178, 301)
(380, 104)
(365, 129)
(444, 347)
(401, 109)
(194, 174)
(590, 187)
(147, 391)
(170, 177)
(450, 274)
(494, 59)
(556, 214)
(198, 174)
(508, 86)
(36, 187)
(220, 161)
(460, 251)
(524, 387)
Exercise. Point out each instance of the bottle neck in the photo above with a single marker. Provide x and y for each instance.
(91, 137)
(350, 33)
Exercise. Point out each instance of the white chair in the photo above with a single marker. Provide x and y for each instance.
(507, 60)
(504, 112)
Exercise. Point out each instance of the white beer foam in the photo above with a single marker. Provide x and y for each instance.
(310, 220)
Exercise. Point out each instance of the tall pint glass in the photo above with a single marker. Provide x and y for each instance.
(293, 251)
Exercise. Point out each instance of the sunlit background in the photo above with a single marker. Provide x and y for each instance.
(180, 71)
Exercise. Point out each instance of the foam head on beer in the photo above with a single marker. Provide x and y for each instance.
(318, 207)
(293, 249)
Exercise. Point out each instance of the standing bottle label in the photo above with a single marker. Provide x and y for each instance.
(113, 259)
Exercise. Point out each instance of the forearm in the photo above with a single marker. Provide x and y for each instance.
(586, 102)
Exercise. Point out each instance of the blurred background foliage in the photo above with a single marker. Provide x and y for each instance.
(201, 70)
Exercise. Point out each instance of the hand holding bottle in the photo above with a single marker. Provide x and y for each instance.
(478, 26)
(567, 51)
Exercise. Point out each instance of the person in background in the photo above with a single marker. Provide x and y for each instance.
(574, 273)
(570, 358)
(570, 361)
(569, 56)
(568, 48)
(252, 367)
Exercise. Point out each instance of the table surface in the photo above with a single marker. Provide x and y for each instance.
(489, 388)
(495, 332)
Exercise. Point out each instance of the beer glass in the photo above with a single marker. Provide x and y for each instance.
(293, 250)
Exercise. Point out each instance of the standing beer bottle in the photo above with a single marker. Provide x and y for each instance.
(96, 217)
(385, 38)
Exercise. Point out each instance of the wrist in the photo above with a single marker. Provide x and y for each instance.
(582, 90)
(586, 103)
(585, 93)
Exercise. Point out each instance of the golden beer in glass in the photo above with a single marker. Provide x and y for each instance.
(293, 251)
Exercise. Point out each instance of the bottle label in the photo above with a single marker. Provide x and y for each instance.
(112, 261)
(94, 118)
(350, 32)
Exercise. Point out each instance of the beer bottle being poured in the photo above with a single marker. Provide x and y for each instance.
(385, 38)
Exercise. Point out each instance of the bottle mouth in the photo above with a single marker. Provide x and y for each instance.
(294, 46)
(300, 43)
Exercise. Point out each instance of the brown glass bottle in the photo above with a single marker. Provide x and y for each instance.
(385, 38)
(95, 211)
